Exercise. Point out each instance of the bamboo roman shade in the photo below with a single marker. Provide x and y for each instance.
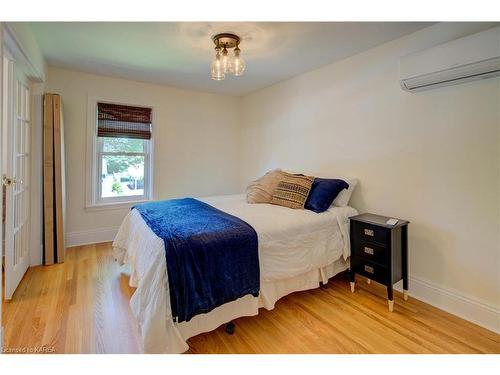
(123, 121)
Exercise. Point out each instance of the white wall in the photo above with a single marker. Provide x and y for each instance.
(195, 144)
(36, 174)
(430, 157)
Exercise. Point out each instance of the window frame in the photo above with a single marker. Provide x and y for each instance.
(95, 152)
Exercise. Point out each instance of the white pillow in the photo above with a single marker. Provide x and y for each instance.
(344, 196)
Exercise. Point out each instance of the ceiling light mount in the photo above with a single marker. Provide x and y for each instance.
(223, 62)
(227, 40)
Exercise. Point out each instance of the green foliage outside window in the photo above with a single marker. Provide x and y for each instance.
(116, 188)
(119, 164)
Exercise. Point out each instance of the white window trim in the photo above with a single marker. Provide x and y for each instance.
(92, 201)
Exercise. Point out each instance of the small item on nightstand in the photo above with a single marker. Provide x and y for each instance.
(392, 221)
(379, 252)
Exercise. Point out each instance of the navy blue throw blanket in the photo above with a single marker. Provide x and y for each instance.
(212, 257)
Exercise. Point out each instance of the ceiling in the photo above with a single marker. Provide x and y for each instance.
(179, 53)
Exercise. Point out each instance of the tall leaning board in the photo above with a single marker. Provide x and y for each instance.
(54, 195)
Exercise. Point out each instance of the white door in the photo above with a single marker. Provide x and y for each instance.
(15, 175)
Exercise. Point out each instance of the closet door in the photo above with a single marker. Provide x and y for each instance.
(16, 177)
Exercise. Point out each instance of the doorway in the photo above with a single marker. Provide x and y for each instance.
(16, 130)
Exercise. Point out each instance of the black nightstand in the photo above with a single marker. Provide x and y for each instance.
(379, 251)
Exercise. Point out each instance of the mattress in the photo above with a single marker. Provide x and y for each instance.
(297, 249)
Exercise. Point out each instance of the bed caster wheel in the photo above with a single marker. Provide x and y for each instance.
(230, 328)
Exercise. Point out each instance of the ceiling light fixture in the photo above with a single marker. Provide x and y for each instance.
(224, 62)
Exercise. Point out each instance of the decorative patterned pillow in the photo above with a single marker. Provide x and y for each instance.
(262, 189)
(292, 190)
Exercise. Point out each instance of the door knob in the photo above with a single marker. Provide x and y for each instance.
(6, 181)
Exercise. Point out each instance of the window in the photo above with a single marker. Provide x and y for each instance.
(123, 154)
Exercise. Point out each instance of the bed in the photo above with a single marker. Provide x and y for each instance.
(297, 250)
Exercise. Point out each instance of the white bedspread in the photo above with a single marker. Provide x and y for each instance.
(291, 243)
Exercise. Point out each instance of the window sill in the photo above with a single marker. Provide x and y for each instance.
(114, 205)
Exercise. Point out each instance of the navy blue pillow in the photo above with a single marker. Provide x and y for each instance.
(323, 192)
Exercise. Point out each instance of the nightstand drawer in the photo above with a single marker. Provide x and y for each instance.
(368, 232)
(371, 251)
(371, 270)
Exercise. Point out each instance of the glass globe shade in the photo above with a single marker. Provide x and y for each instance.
(225, 60)
(217, 69)
(237, 63)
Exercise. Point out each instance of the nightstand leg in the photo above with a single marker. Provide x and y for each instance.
(352, 276)
(390, 298)
(404, 245)
(368, 281)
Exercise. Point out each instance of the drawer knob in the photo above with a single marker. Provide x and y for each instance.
(368, 250)
(369, 232)
(369, 269)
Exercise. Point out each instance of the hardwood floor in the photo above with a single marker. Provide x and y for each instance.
(81, 306)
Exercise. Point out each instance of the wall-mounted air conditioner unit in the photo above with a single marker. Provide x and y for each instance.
(471, 58)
